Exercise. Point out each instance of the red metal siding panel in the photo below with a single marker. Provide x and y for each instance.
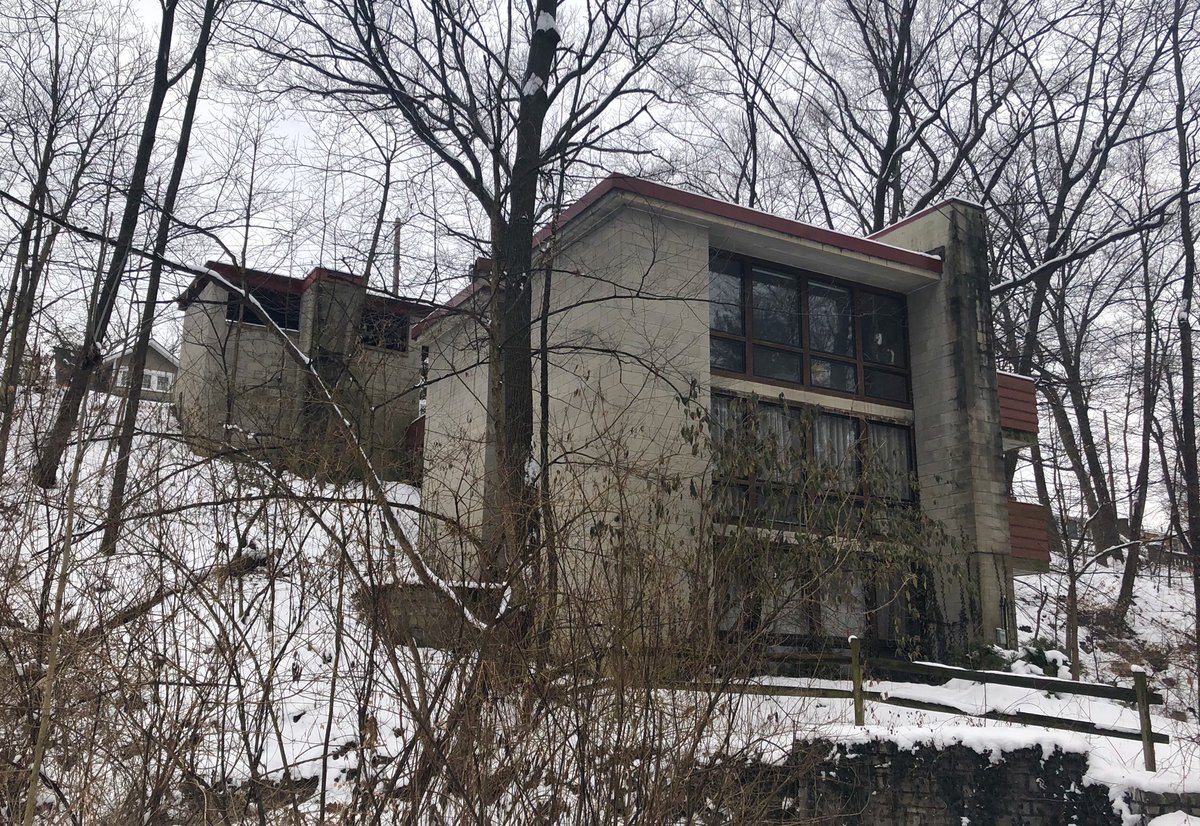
(1027, 531)
(1018, 402)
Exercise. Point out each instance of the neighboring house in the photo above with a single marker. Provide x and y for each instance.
(158, 378)
(239, 388)
(672, 314)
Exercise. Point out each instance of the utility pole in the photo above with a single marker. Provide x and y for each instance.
(396, 257)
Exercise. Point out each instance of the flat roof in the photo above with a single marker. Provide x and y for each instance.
(821, 247)
(742, 215)
(261, 279)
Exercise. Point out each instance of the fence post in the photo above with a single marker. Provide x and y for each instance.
(1143, 704)
(856, 676)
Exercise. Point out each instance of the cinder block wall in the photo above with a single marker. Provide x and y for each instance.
(242, 374)
(235, 373)
(628, 360)
(960, 456)
(628, 363)
(456, 446)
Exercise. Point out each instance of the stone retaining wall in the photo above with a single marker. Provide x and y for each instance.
(886, 784)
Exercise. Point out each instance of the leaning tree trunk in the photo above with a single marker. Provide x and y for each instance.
(1149, 398)
(116, 499)
(45, 471)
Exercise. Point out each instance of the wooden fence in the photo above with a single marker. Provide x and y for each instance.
(1139, 695)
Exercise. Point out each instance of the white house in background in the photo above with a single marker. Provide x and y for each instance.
(158, 379)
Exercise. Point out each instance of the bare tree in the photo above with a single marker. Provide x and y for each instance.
(1185, 125)
(68, 111)
(101, 307)
(497, 107)
(146, 321)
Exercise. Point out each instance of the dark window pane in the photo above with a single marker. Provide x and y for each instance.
(880, 384)
(725, 303)
(282, 308)
(725, 428)
(727, 355)
(834, 375)
(884, 329)
(781, 443)
(834, 440)
(776, 307)
(778, 364)
(778, 504)
(382, 328)
(830, 326)
(888, 461)
(730, 501)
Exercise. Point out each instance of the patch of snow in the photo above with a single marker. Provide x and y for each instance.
(546, 23)
(1175, 819)
(532, 86)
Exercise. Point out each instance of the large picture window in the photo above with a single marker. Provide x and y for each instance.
(793, 328)
(772, 462)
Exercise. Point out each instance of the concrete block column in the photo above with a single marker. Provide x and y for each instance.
(960, 456)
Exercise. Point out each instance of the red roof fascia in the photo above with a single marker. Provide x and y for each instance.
(482, 267)
(399, 306)
(324, 274)
(253, 279)
(443, 311)
(741, 214)
(261, 279)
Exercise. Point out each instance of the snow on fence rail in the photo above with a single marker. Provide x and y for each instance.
(1139, 695)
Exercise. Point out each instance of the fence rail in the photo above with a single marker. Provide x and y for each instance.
(1138, 695)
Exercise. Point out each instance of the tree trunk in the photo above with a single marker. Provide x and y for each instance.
(14, 323)
(116, 499)
(1149, 399)
(1191, 464)
(514, 414)
(45, 472)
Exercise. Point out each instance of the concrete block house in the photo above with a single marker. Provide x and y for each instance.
(238, 388)
(677, 323)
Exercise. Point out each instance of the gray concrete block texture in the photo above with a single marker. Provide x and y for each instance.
(238, 388)
(629, 359)
(956, 409)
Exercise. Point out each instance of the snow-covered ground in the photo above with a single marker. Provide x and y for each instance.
(1114, 761)
(224, 644)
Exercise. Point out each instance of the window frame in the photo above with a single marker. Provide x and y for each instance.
(809, 414)
(744, 268)
(286, 314)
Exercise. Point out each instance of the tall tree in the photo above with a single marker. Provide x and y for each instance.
(145, 326)
(66, 97)
(1183, 22)
(1064, 197)
(90, 357)
(496, 106)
